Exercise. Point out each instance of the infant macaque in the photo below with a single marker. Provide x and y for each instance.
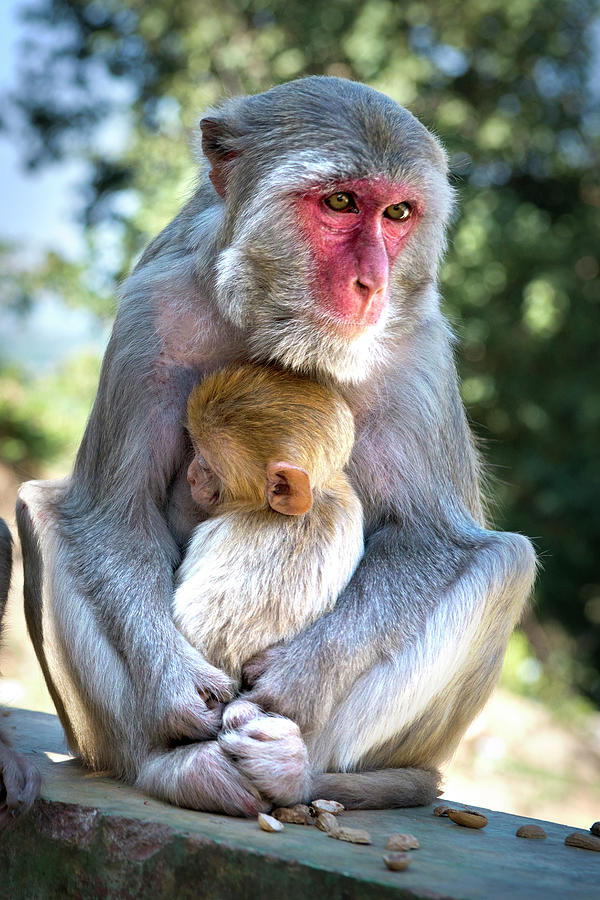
(285, 532)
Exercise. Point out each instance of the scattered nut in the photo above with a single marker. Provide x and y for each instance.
(268, 823)
(595, 829)
(293, 815)
(584, 840)
(397, 862)
(326, 822)
(402, 842)
(467, 817)
(441, 810)
(329, 806)
(535, 832)
(353, 835)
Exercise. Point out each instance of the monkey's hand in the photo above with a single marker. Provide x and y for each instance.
(19, 784)
(284, 679)
(257, 665)
(189, 698)
(268, 750)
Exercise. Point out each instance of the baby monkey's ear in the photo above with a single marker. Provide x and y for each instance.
(288, 489)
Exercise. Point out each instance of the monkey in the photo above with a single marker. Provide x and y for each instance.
(19, 779)
(285, 532)
(313, 242)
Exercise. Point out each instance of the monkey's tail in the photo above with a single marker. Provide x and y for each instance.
(379, 789)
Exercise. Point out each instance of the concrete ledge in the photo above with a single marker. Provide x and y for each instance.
(90, 836)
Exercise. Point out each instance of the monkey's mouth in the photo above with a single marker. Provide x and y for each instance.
(346, 329)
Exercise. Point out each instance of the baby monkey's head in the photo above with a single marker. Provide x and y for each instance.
(262, 435)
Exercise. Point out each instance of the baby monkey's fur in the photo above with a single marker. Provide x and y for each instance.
(252, 577)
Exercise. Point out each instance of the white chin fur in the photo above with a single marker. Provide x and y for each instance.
(308, 348)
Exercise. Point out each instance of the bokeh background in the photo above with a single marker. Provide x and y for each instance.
(98, 106)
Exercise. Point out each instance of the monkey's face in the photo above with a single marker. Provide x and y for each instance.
(204, 483)
(355, 235)
(336, 201)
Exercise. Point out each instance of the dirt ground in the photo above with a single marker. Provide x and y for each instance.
(516, 756)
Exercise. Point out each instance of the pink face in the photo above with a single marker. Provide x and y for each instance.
(355, 235)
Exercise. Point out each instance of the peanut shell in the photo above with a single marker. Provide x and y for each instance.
(402, 842)
(329, 806)
(268, 823)
(468, 818)
(397, 862)
(441, 810)
(326, 822)
(535, 832)
(583, 839)
(353, 835)
(293, 815)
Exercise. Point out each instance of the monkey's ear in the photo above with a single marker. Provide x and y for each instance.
(288, 489)
(215, 136)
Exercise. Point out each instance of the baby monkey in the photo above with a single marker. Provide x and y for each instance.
(285, 532)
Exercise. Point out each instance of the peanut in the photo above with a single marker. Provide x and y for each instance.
(353, 835)
(294, 815)
(397, 862)
(584, 840)
(329, 806)
(268, 823)
(535, 832)
(402, 842)
(326, 822)
(468, 818)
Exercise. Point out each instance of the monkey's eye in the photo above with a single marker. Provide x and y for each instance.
(398, 211)
(341, 202)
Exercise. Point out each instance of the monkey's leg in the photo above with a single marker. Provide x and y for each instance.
(411, 704)
(88, 678)
(91, 684)
(200, 776)
(405, 716)
(19, 779)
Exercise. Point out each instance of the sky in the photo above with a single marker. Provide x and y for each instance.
(37, 208)
(38, 212)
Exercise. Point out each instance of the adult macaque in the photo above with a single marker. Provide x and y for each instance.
(286, 532)
(19, 779)
(312, 241)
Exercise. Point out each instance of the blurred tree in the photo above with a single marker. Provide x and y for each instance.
(512, 88)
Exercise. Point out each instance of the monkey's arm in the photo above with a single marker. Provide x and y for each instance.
(435, 591)
(426, 604)
(110, 570)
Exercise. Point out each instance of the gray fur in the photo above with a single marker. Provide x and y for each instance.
(395, 672)
(19, 779)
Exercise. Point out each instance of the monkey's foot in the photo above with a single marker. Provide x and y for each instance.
(269, 750)
(200, 776)
(19, 784)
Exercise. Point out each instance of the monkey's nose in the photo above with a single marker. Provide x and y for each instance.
(367, 291)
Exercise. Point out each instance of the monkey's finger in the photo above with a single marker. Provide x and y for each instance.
(195, 722)
(217, 687)
(253, 668)
(238, 712)
(262, 729)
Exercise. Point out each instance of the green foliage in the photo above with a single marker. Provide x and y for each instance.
(507, 84)
(42, 417)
